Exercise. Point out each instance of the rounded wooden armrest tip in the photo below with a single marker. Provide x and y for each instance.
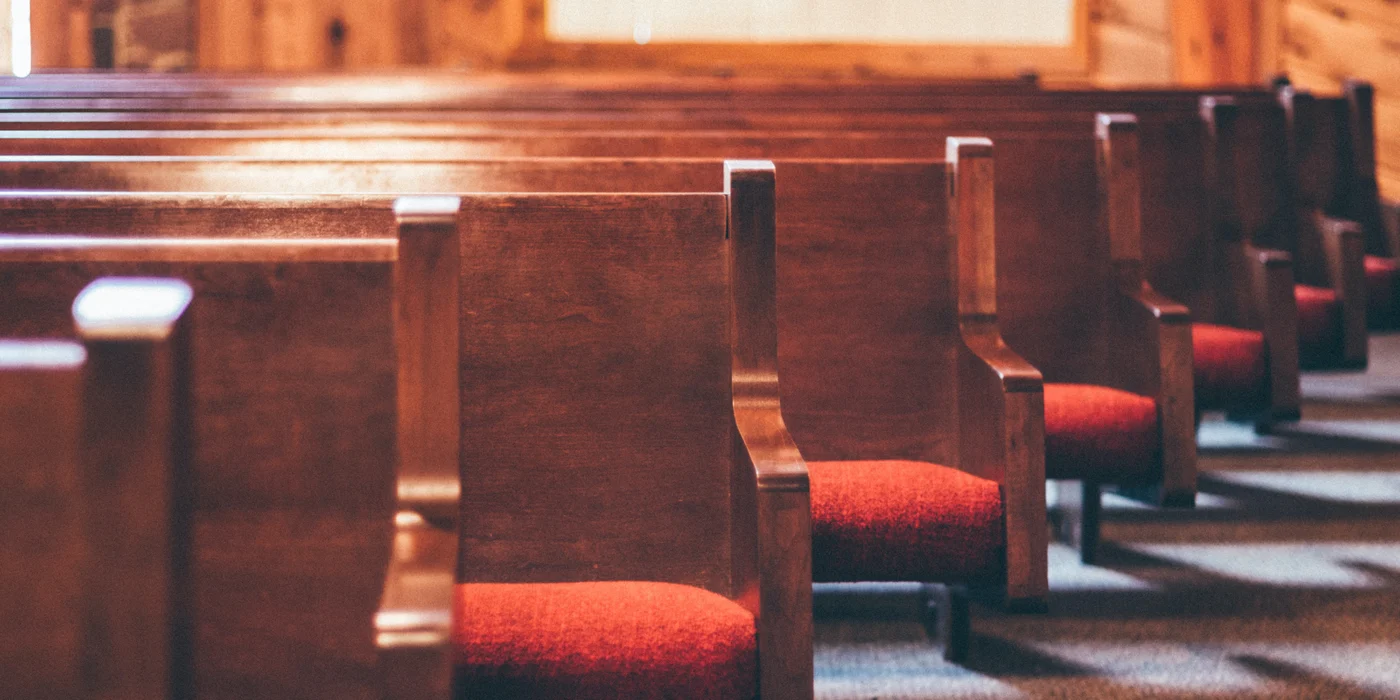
(960, 147)
(1273, 258)
(426, 209)
(1114, 121)
(1217, 104)
(113, 308)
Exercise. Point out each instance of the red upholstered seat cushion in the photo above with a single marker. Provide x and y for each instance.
(602, 640)
(1232, 367)
(1100, 434)
(1380, 291)
(897, 520)
(1319, 326)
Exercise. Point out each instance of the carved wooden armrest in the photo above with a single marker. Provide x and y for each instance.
(784, 544)
(1273, 311)
(1001, 435)
(1343, 243)
(1158, 329)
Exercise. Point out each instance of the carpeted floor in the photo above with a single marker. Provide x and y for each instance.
(1284, 582)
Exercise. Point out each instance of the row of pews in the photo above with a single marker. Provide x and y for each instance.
(413, 386)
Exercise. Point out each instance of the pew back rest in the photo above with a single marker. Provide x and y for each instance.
(595, 373)
(293, 426)
(867, 307)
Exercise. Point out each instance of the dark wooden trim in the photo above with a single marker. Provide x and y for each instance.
(1158, 328)
(413, 625)
(783, 536)
(1274, 307)
(1001, 402)
(426, 294)
(138, 603)
(1343, 242)
(41, 511)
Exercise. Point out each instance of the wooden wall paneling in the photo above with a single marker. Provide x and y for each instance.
(1213, 41)
(228, 35)
(1132, 42)
(294, 35)
(60, 33)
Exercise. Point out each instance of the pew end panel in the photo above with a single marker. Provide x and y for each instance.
(139, 605)
(41, 511)
(1358, 197)
(1344, 247)
(656, 454)
(770, 474)
(1001, 404)
(1273, 310)
(1267, 301)
(292, 450)
(1152, 350)
(415, 618)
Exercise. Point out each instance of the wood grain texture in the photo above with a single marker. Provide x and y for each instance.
(41, 513)
(769, 472)
(646, 385)
(425, 288)
(1155, 330)
(1001, 400)
(293, 460)
(138, 492)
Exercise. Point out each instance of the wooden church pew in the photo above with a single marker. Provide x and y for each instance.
(872, 404)
(1068, 200)
(644, 486)
(306, 582)
(1260, 204)
(1353, 192)
(95, 582)
(1177, 237)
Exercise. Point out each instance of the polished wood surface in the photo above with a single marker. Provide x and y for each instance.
(41, 511)
(647, 454)
(292, 374)
(1001, 402)
(1146, 318)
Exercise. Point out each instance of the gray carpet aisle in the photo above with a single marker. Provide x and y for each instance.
(1283, 583)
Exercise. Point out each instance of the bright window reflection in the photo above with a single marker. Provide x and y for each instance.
(1034, 22)
(21, 60)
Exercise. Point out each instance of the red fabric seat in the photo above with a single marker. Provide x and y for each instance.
(1231, 368)
(1100, 434)
(1380, 291)
(1319, 326)
(896, 520)
(601, 640)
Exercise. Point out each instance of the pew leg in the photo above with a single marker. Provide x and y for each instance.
(948, 618)
(1077, 517)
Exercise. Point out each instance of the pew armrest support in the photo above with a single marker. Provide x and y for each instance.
(783, 556)
(1002, 437)
(1157, 361)
(1390, 219)
(413, 626)
(1274, 312)
(1343, 243)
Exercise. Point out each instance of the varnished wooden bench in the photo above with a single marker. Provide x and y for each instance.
(308, 579)
(1042, 207)
(95, 589)
(872, 396)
